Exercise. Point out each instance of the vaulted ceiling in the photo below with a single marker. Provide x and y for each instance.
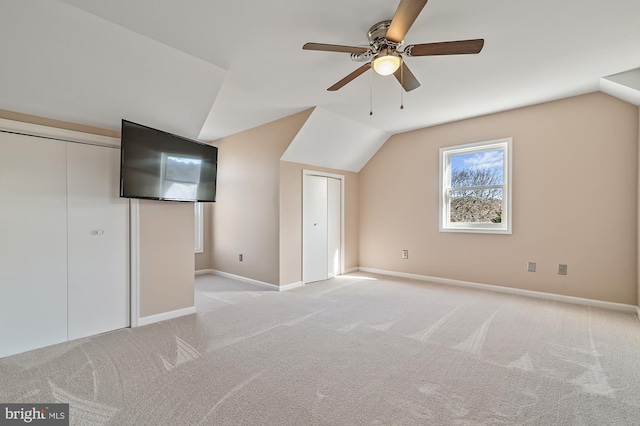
(210, 68)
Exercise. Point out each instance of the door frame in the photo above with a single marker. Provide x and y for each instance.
(341, 178)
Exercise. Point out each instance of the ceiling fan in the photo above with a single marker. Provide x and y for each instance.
(385, 41)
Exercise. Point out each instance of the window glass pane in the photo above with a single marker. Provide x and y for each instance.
(478, 168)
(476, 206)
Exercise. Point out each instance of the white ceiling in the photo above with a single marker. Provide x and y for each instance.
(210, 68)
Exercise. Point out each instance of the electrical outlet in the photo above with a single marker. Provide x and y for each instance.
(405, 254)
(531, 267)
(240, 257)
(562, 269)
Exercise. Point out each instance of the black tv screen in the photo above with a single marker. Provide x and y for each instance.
(157, 165)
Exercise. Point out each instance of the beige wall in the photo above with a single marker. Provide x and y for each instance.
(203, 260)
(291, 219)
(246, 215)
(550, 168)
(575, 192)
(166, 257)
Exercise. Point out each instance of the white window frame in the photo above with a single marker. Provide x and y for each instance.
(445, 186)
(198, 211)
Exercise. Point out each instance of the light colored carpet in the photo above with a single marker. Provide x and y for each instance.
(357, 350)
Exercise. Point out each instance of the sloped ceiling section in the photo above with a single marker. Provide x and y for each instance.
(211, 68)
(535, 51)
(62, 63)
(329, 140)
(241, 105)
(624, 85)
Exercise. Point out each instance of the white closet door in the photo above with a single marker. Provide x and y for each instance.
(334, 231)
(98, 242)
(322, 228)
(33, 243)
(314, 212)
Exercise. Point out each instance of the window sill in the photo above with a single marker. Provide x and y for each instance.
(477, 230)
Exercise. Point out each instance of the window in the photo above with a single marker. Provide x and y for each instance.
(475, 184)
(199, 228)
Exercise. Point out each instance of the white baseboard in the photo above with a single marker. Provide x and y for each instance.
(245, 279)
(251, 280)
(348, 271)
(638, 312)
(291, 286)
(510, 290)
(166, 316)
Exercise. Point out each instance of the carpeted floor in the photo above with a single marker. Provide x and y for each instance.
(357, 350)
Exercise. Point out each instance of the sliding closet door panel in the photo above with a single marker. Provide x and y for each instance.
(33, 243)
(334, 209)
(98, 242)
(314, 217)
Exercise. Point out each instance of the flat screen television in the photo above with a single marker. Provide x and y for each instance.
(157, 165)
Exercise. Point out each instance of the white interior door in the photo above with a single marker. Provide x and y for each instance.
(98, 242)
(33, 243)
(315, 262)
(322, 228)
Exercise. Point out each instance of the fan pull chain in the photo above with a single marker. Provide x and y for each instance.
(371, 93)
(401, 83)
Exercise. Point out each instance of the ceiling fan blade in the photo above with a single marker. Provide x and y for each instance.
(460, 47)
(352, 76)
(334, 48)
(406, 78)
(405, 16)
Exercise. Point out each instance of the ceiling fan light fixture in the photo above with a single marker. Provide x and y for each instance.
(386, 64)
